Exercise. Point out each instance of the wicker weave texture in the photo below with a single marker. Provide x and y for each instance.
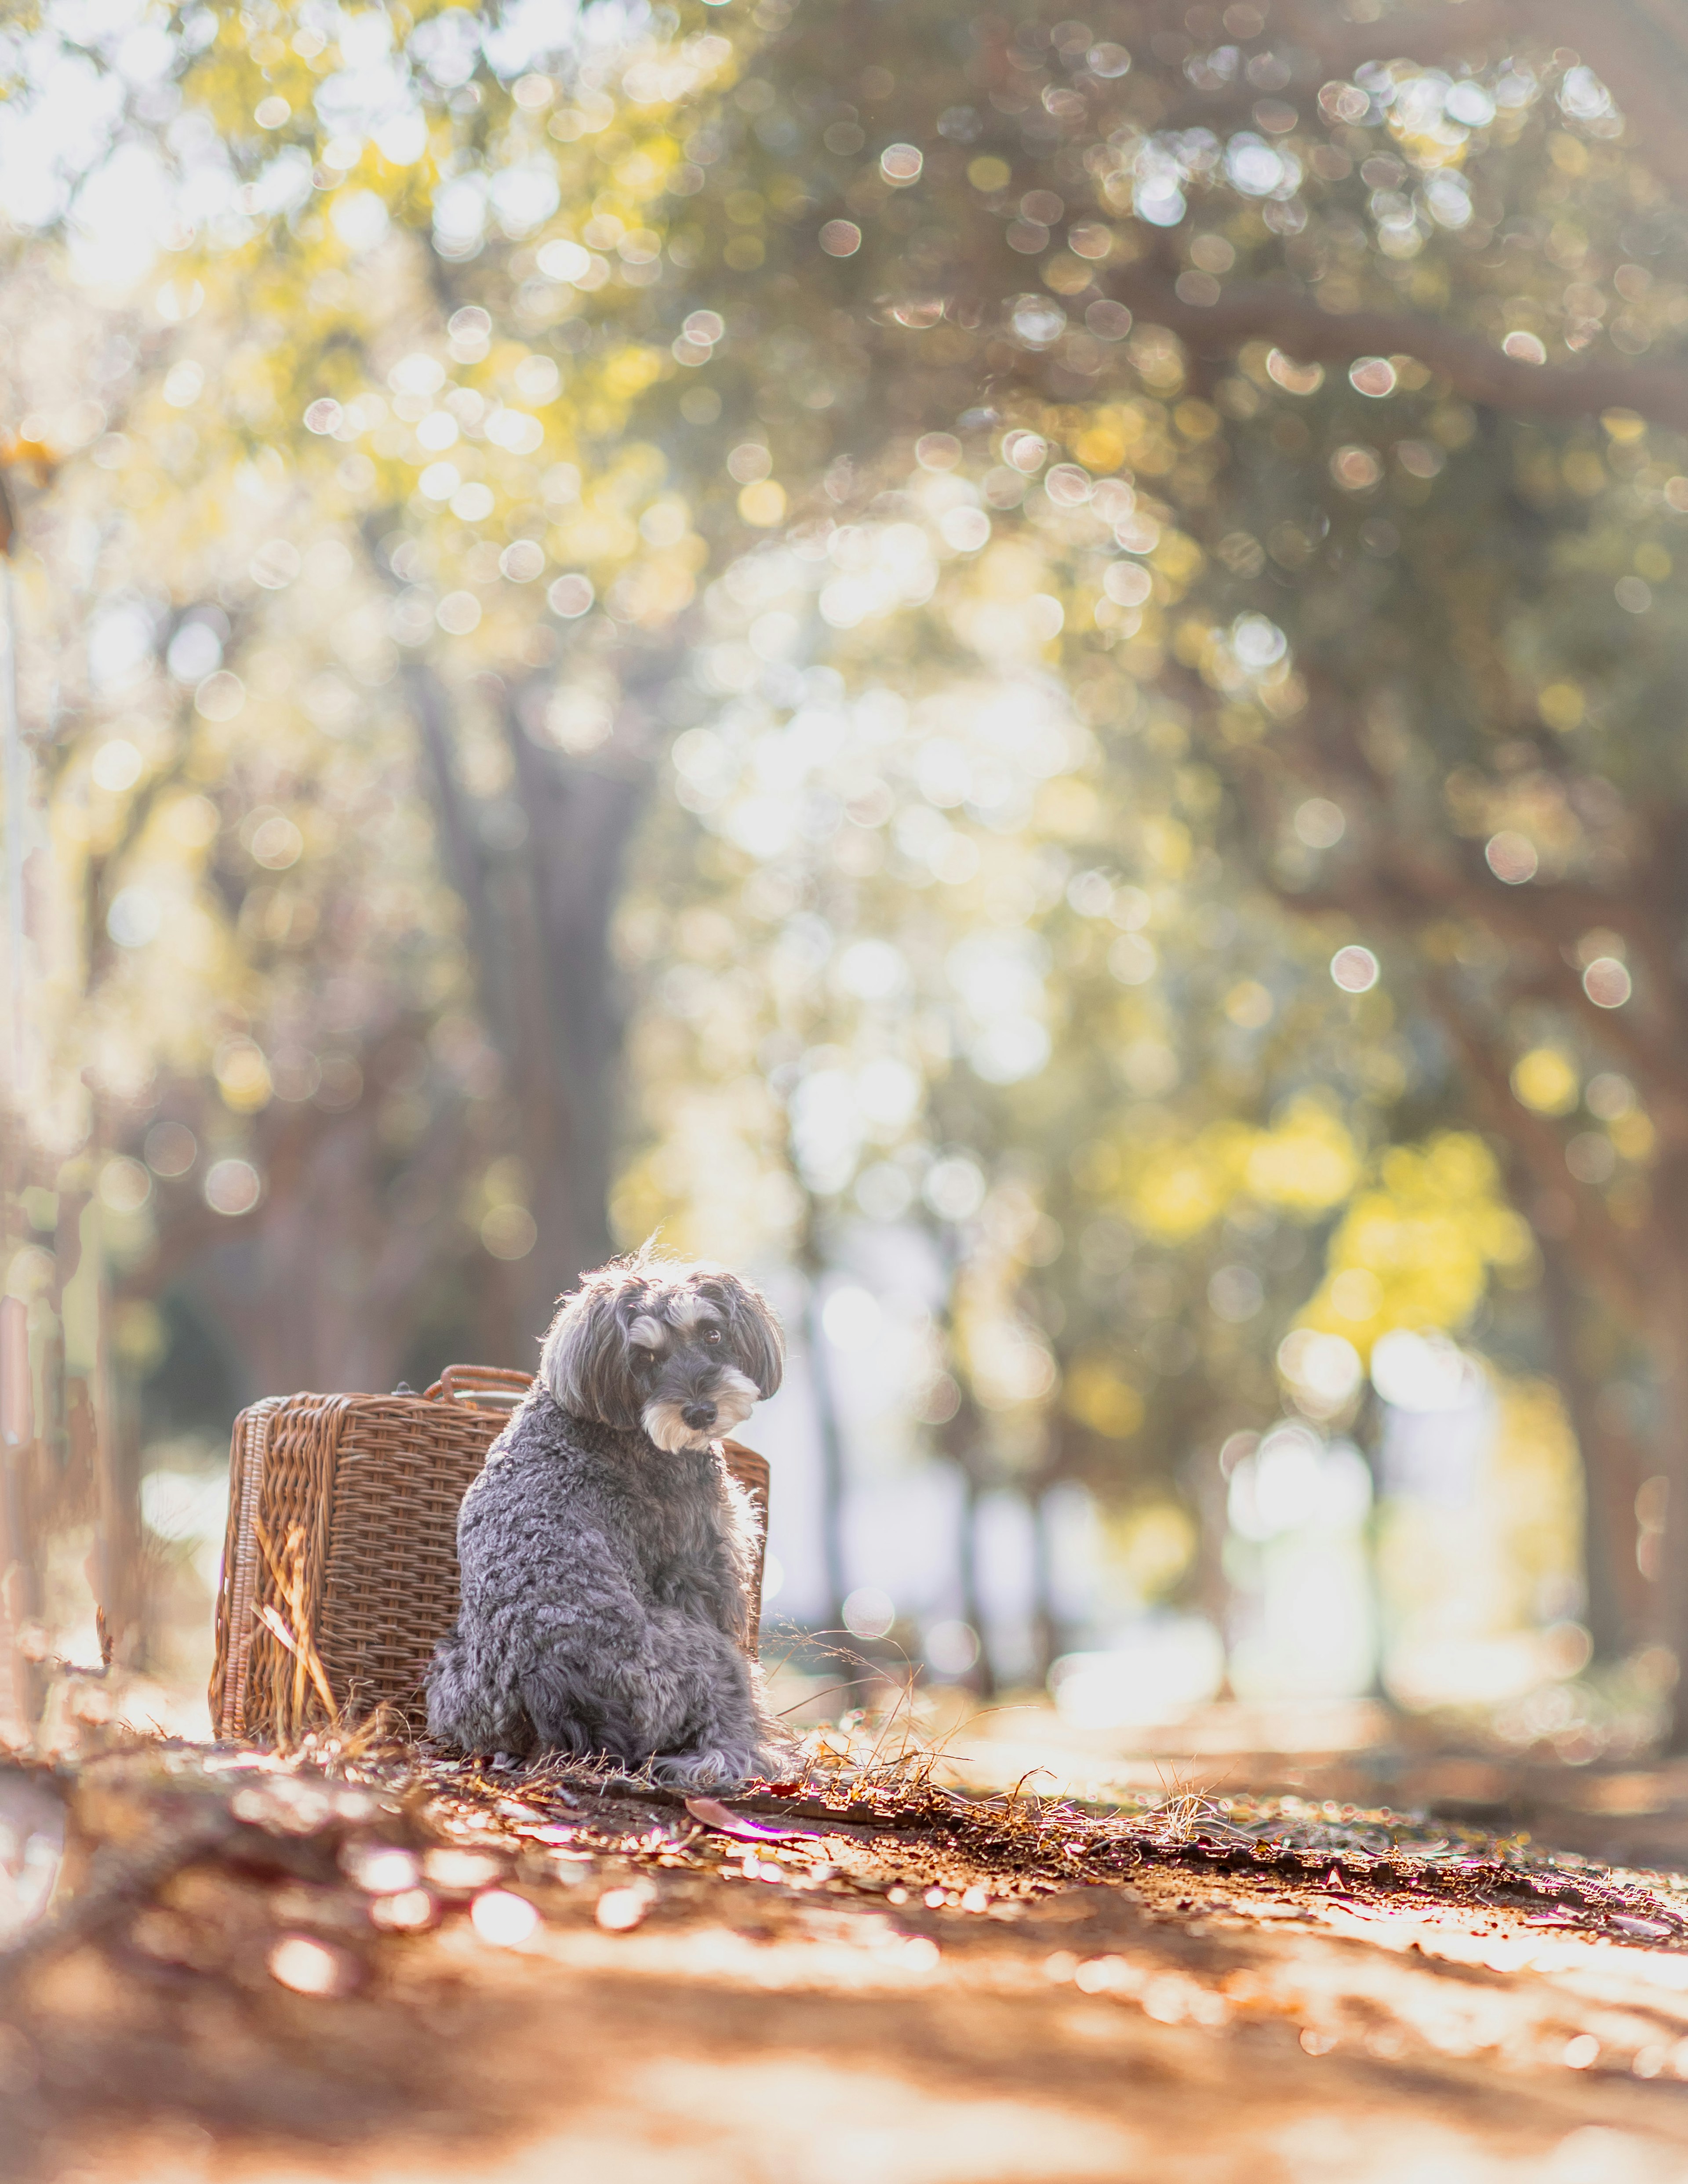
(236, 1595)
(390, 1586)
(751, 1471)
(343, 1536)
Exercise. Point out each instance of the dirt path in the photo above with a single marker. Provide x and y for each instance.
(391, 1977)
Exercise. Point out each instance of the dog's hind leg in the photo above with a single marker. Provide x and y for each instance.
(467, 1707)
(722, 1740)
(566, 1719)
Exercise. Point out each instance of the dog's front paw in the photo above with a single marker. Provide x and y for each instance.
(722, 1767)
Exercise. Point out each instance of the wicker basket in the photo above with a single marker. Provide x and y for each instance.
(340, 1563)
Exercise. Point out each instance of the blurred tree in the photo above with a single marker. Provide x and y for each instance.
(1417, 611)
(1180, 388)
(532, 812)
(294, 737)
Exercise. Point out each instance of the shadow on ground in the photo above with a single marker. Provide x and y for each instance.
(372, 1968)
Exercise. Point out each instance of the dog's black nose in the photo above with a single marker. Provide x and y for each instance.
(698, 1414)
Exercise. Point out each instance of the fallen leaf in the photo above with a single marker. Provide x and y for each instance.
(714, 1814)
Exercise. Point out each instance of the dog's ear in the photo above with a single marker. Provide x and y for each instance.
(756, 1333)
(584, 1359)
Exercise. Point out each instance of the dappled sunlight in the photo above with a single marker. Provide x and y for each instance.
(477, 466)
(1022, 677)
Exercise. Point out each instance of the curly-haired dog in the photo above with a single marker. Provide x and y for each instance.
(605, 1550)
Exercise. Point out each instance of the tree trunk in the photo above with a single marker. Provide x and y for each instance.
(21, 1539)
(538, 919)
(962, 1438)
(564, 1040)
(1669, 1326)
(833, 1484)
(983, 1676)
(1608, 1484)
(120, 1577)
(1046, 1637)
(318, 1289)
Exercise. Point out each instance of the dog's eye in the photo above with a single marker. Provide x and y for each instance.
(712, 1336)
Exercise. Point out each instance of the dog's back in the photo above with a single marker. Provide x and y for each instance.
(577, 1542)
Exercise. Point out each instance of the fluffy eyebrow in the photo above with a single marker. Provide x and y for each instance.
(645, 1332)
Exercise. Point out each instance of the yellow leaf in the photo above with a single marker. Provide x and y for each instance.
(1545, 1081)
(1099, 1398)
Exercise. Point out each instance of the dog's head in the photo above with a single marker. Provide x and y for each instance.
(683, 1352)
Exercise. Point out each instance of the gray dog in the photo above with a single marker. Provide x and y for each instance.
(605, 1551)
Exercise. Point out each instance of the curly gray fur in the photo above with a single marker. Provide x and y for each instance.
(605, 1576)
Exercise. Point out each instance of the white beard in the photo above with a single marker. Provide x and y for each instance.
(664, 1424)
(736, 1396)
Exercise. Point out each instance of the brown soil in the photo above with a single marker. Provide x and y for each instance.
(887, 1984)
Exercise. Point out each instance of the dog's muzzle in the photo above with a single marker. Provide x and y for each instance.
(691, 1419)
(671, 1425)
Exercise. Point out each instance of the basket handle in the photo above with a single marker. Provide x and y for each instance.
(495, 1384)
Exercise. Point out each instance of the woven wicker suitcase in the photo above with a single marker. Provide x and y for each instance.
(340, 1561)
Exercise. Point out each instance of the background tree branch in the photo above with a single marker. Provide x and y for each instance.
(1293, 321)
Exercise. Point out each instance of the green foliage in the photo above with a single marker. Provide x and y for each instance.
(1079, 531)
